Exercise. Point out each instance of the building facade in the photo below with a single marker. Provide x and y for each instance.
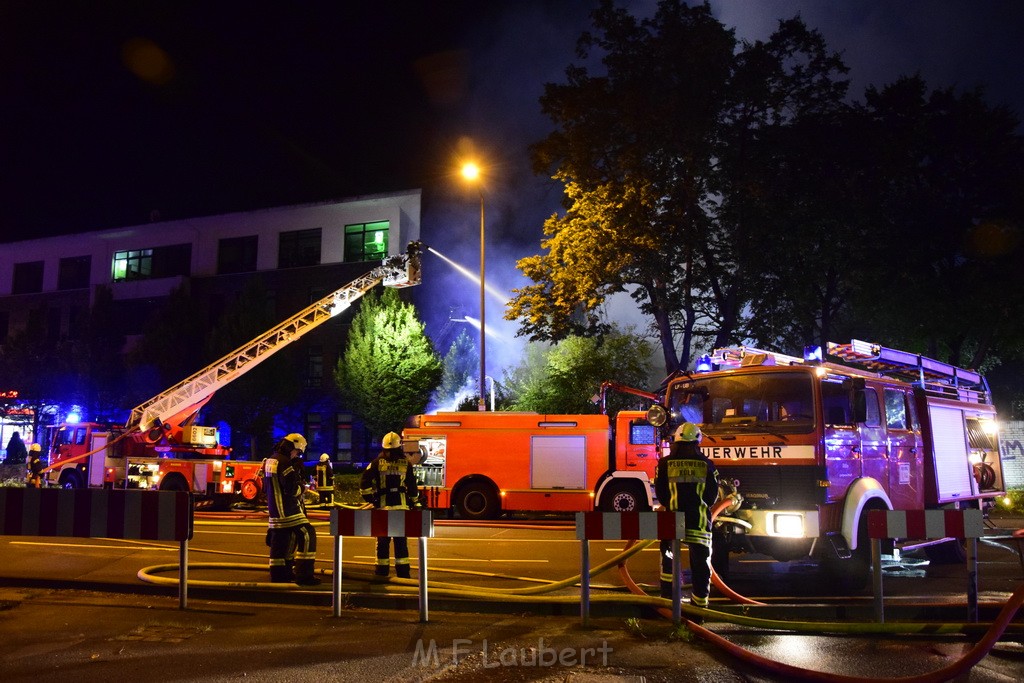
(298, 253)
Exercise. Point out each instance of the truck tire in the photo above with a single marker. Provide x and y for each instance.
(622, 496)
(69, 479)
(477, 500)
(850, 574)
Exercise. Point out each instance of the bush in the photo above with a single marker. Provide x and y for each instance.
(1012, 502)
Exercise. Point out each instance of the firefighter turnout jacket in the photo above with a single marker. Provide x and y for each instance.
(389, 483)
(687, 482)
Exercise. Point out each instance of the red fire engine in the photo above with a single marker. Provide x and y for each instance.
(484, 463)
(160, 447)
(811, 446)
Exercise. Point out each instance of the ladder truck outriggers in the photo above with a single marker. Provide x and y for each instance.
(807, 447)
(160, 447)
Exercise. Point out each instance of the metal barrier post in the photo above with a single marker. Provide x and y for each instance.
(336, 577)
(972, 580)
(585, 581)
(677, 584)
(876, 570)
(423, 579)
(183, 574)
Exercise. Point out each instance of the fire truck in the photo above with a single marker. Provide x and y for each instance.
(809, 446)
(161, 448)
(485, 463)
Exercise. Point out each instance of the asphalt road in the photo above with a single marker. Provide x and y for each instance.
(74, 609)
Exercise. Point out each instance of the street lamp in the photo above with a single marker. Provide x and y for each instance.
(471, 172)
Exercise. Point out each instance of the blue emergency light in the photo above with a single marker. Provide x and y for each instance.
(703, 364)
(813, 354)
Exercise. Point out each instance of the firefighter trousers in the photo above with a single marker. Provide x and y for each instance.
(700, 572)
(402, 563)
(292, 544)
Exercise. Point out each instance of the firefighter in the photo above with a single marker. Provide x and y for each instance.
(291, 537)
(687, 482)
(35, 467)
(325, 479)
(389, 483)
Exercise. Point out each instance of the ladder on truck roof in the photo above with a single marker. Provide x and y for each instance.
(179, 405)
(927, 373)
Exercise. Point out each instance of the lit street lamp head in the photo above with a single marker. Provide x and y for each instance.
(471, 171)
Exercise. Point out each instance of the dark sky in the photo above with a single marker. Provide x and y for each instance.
(114, 110)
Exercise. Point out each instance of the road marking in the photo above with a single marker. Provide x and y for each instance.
(459, 559)
(89, 545)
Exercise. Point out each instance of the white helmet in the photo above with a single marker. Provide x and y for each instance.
(688, 432)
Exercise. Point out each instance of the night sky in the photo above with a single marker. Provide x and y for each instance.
(116, 112)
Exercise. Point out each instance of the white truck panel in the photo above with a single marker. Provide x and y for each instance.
(955, 478)
(558, 462)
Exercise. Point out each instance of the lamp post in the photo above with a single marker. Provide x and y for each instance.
(471, 172)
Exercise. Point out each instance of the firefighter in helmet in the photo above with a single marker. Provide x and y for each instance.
(291, 537)
(687, 481)
(325, 479)
(389, 483)
(35, 467)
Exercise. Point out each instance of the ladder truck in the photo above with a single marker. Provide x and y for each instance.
(161, 448)
(808, 446)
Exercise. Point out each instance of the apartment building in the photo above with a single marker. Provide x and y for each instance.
(300, 253)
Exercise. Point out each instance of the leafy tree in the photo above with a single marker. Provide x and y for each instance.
(250, 403)
(460, 364)
(655, 157)
(948, 223)
(389, 367)
(563, 378)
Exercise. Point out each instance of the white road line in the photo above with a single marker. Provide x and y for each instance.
(88, 545)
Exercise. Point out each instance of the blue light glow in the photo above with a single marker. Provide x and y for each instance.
(703, 364)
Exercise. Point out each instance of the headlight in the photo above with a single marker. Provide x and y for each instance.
(788, 525)
(657, 415)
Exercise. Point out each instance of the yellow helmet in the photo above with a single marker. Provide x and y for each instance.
(298, 441)
(391, 440)
(324, 457)
(688, 432)
(35, 448)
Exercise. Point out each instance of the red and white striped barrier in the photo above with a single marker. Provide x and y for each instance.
(925, 524)
(629, 526)
(394, 523)
(96, 513)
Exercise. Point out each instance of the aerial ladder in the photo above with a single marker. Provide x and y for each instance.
(168, 417)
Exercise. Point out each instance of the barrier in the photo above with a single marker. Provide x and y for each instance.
(102, 513)
(629, 526)
(378, 523)
(926, 524)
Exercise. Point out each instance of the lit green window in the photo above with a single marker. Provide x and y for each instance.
(366, 241)
(133, 265)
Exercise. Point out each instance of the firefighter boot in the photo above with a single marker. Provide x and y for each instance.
(304, 573)
(403, 570)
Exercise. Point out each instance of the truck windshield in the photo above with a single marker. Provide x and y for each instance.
(777, 402)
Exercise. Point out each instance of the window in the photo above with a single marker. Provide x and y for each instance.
(344, 433)
(144, 264)
(366, 241)
(237, 254)
(315, 367)
(28, 278)
(895, 409)
(872, 417)
(133, 265)
(52, 324)
(73, 273)
(299, 248)
(5, 326)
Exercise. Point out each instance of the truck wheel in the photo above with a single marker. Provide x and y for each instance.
(478, 501)
(853, 573)
(621, 497)
(70, 480)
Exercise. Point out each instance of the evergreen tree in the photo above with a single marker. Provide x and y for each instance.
(389, 368)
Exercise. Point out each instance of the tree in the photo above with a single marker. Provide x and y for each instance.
(389, 367)
(656, 159)
(563, 378)
(460, 363)
(250, 403)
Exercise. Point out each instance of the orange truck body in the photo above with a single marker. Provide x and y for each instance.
(486, 463)
(95, 455)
